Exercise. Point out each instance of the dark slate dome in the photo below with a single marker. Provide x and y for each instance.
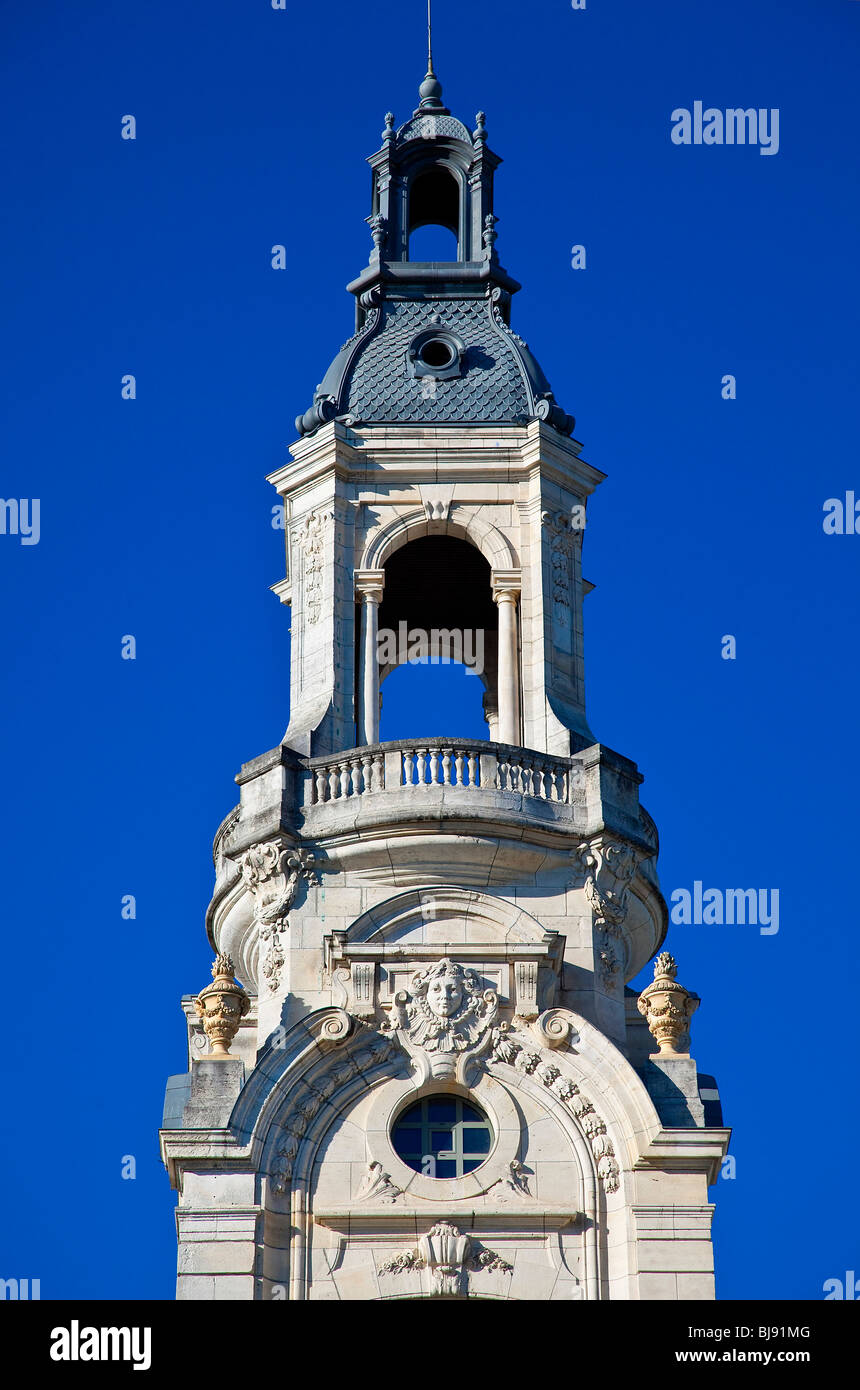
(433, 343)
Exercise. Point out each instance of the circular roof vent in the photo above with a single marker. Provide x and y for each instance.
(436, 352)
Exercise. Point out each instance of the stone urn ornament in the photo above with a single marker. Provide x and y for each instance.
(222, 1006)
(667, 1007)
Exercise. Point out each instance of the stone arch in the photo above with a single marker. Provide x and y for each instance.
(463, 522)
(404, 912)
(335, 1064)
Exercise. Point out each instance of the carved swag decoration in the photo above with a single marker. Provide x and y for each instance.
(443, 1020)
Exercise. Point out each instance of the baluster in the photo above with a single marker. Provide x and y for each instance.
(377, 773)
(343, 769)
(514, 770)
(366, 773)
(408, 766)
(546, 781)
(320, 785)
(446, 767)
(419, 753)
(458, 766)
(473, 769)
(434, 767)
(333, 783)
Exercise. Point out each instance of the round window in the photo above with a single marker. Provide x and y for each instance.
(443, 1136)
(437, 352)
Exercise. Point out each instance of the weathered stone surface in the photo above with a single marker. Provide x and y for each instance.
(442, 1083)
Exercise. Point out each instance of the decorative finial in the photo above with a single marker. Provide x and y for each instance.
(479, 134)
(222, 1006)
(388, 133)
(430, 90)
(667, 1007)
(489, 236)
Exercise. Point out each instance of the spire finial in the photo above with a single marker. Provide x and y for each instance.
(430, 90)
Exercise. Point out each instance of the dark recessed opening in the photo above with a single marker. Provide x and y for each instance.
(437, 353)
(434, 197)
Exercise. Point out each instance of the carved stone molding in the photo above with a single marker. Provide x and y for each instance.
(449, 1256)
(443, 1020)
(311, 540)
(561, 532)
(607, 867)
(333, 1028)
(272, 872)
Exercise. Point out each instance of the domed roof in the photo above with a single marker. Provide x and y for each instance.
(378, 377)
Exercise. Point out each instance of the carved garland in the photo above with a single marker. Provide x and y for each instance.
(552, 1028)
(508, 1050)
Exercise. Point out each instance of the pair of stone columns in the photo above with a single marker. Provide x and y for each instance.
(369, 586)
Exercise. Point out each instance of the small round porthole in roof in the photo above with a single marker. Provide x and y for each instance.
(436, 352)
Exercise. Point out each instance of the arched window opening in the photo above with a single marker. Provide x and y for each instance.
(437, 642)
(434, 207)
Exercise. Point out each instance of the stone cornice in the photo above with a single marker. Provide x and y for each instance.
(686, 1151)
(362, 454)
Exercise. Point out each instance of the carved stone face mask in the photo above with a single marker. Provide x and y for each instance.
(444, 996)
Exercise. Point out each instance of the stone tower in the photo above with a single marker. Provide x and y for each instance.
(435, 1081)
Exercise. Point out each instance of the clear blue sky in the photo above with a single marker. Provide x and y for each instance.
(153, 257)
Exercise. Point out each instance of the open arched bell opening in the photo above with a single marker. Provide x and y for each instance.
(433, 606)
(434, 203)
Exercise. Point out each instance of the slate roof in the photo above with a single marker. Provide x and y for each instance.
(493, 385)
(430, 126)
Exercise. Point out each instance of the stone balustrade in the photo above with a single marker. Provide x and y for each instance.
(438, 762)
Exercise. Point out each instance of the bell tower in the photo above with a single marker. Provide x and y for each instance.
(433, 1080)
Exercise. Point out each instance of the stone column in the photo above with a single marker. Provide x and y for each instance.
(506, 591)
(369, 585)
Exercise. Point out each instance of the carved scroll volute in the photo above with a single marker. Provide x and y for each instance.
(554, 1029)
(443, 1021)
